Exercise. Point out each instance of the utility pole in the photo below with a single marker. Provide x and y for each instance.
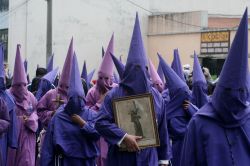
(49, 30)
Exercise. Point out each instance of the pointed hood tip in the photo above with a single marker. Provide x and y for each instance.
(173, 81)
(198, 75)
(19, 75)
(107, 64)
(84, 71)
(236, 64)
(119, 66)
(177, 66)
(75, 85)
(65, 74)
(136, 54)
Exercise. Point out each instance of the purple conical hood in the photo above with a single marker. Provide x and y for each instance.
(230, 98)
(173, 81)
(51, 76)
(235, 73)
(25, 63)
(107, 64)
(198, 75)
(84, 71)
(19, 75)
(65, 75)
(119, 66)
(153, 73)
(50, 63)
(160, 72)
(176, 65)
(2, 72)
(136, 55)
(75, 84)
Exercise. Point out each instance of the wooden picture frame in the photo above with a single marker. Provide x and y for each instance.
(136, 116)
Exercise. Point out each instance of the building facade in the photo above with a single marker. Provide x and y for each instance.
(208, 34)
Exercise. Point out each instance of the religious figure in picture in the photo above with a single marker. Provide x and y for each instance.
(135, 118)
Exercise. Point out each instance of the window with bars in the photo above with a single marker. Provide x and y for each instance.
(4, 5)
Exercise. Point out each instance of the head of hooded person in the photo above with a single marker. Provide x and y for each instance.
(158, 85)
(105, 74)
(104, 82)
(136, 79)
(18, 87)
(76, 96)
(155, 78)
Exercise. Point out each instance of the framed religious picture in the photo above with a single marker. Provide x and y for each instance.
(136, 116)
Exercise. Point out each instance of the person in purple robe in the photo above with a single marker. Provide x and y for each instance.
(179, 110)
(199, 87)
(219, 133)
(9, 138)
(27, 119)
(96, 94)
(71, 137)
(135, 81)
(4, 125)
(54, 98)
(155, 78)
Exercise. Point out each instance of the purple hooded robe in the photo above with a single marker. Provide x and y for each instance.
(65, 141)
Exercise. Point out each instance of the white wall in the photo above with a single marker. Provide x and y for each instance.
(90, 22)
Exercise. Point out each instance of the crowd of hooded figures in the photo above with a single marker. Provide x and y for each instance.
(68, 120)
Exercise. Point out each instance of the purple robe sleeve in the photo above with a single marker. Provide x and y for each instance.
(192, 109)
(105, 124)
(89, 131)
(45, 113)
(4, 117)
(89, 128)
(32, 122)
(48, 152)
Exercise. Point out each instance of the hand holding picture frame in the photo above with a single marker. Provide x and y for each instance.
(136, 116)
